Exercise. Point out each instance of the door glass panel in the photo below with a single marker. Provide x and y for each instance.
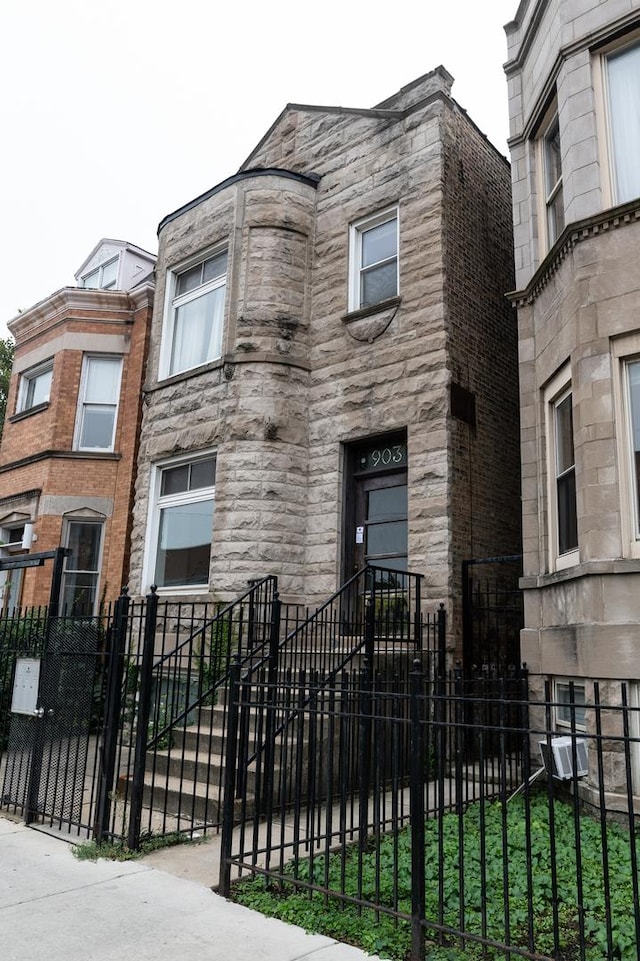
(388, 502)
(388, 538)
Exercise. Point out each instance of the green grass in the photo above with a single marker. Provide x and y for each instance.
(381, 934)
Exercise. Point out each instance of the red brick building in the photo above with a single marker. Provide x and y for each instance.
(70, 437)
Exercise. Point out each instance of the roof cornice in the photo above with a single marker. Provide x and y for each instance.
(49, 311)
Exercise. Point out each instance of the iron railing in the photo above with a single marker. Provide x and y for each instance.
(409, 807)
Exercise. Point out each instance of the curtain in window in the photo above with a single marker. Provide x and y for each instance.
(624, 113)
(197, 335)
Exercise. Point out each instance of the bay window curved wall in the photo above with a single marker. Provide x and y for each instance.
(223, 452)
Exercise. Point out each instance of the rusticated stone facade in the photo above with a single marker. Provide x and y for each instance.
(304, 376)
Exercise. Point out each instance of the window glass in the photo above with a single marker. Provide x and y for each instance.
(374, 260)
(80, 578)
(35, 387)
(203, 473)
(197, 336)
(624, 121)
(214, 267)
(565, 477)
(197, 310)
(103, 277)
(109, 275)
(184, 544)
(378, 284)
(175, 479)
(98, 402)
(92, 280)
(185, 508)
(553, 182)
(379, 243)
(565, 703)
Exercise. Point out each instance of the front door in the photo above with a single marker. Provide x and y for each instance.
(376, 514)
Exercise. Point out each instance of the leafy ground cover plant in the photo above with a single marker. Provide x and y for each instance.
(492, 838)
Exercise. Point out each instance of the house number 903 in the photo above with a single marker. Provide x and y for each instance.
(391, 456)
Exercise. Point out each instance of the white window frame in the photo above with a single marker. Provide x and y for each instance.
(29, 379)
(158, 501)
(99, 271)
(550, 192)
(11, 540)
(83, 404)
(556, 391)
(356, 232)
(173, 303)
(86, 521)
(626, 351)
(561, 697)
(606, 148)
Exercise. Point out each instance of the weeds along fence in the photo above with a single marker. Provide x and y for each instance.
(422, 816)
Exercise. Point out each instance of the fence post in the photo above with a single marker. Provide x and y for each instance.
(226, 841)
(271, 700)
(459, 732)
(442, 640)
(366, 678)
(417, 617)
(440, 688)
(142, 725)
(417, 813)
(117, 635)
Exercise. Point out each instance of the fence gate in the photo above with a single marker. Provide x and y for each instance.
(54, 720)
(52, 684)
(493, 614)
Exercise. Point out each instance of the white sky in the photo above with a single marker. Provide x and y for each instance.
(112, 115)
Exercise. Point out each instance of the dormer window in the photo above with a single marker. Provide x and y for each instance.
(103, 277)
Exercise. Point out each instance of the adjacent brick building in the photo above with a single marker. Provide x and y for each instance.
(70, 438)
(574, 84)
(332, 363)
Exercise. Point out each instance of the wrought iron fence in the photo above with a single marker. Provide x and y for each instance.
(401, 804)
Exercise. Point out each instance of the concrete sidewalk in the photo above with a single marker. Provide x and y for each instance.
(56, 908)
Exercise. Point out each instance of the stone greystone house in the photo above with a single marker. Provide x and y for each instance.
(332, 363)
(574, 86)
(70, 437)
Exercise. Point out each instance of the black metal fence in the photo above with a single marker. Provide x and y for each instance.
(130, 729)
(400, 806)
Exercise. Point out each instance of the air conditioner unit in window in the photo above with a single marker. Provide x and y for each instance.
(559, 760)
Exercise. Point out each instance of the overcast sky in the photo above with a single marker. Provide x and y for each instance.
(115, 114)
